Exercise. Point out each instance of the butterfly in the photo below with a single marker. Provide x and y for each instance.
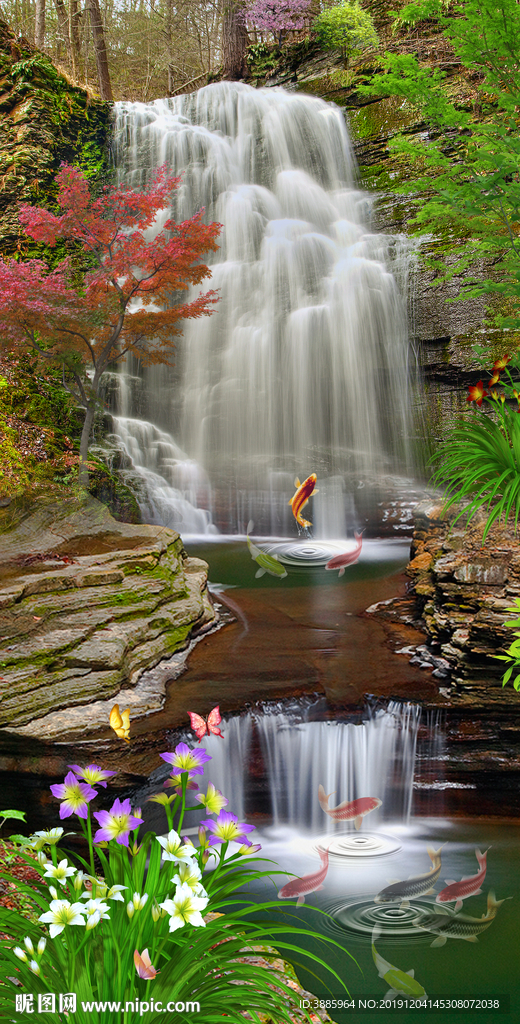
(208, 725)
(120, 723)
(144, 965)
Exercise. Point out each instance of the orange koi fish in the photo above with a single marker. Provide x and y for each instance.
(468, 886)
(301, 887)
(300, 498)
(355, 809)
(348, 558)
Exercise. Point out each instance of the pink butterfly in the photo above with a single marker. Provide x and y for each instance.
(144, 965)
(208, 725)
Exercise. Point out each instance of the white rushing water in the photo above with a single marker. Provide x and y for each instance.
(304, 365)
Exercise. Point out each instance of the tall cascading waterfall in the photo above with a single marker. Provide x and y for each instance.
(304, 365)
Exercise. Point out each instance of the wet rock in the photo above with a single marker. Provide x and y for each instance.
(86, 605)
(463, 595)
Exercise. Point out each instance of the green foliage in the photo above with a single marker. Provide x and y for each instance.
(513, 652)
(261, 58)
(346, 27)
(467, 164)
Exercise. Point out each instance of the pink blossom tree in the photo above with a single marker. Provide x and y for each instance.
(277, 16)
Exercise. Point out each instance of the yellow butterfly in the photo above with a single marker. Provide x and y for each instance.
(120, 723)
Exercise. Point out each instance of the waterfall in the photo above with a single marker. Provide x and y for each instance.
(374, 758)
(303, 366)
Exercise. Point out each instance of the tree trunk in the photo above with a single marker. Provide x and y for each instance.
(84, 444)
(39, 24)
(100, 50)
(63, 22)
(234, 41)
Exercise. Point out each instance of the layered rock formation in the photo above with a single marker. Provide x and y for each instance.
(86, 605)
(464, 590)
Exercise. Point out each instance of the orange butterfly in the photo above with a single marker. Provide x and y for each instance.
(120, 723)
(208, 725)
(144, 965)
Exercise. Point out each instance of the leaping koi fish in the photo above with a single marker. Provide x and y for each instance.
(401, 982)
(300, 498)
(468, 886)
(355, 809)
(459, 926)
(416, 885)
(301, 887)
(267, 563)
(340, 561)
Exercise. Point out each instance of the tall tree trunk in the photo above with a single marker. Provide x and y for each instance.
(234, 40)
(100, 50)
(39, 24)
(63, 22)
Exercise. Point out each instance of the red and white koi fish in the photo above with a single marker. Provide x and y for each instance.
(301, 887)
(355, 809)
(300, 498)
(468, 886)
(340, 561)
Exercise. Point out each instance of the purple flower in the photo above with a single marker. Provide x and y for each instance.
(186, 760)
(227, 827)
(92, 774)
(75, 796)
(116, 823)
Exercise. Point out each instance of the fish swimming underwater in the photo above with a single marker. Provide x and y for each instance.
(267, 563)
(300, 498)
(468, 886)
(416, 885)
(301, 887)
(355, 809)
(459, 926)
(402, 983)
(348, 558)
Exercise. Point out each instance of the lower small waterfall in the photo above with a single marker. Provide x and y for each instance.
(304, 365)
(372, 758)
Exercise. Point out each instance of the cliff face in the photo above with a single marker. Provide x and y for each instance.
(44, 121)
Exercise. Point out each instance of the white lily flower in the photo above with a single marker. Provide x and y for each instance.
(189, 874)
(61, 872)
(114, 893)
(185, 908)
(173, 848)
(139, 901)
(97, 907)
(49, 837)
(61, 914)
(92, 921)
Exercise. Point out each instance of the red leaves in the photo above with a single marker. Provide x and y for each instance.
(123, 303)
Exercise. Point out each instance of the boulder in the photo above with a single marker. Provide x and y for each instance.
(87, 604)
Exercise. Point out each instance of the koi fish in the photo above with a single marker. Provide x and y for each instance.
(267, 563)
(208, 725)
(120, 723)
(355, 809)
(340, 561)
(459, 926)
(301, 887)
(416, 885)
(402, 983)
(300, 498)
(468, 886)
(144, 966)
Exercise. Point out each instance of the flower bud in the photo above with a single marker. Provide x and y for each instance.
(130, 909)
(156, 913)
(41, 945)
(20, 953)
(28, 945)
(41, 858)
(34, 967)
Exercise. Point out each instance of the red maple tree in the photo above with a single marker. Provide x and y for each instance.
(90, 318)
